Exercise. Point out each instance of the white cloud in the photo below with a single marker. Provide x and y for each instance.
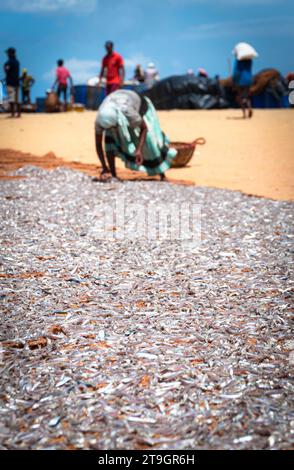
(277, 26)
(80, 70)
(135, 59)
(48, 6)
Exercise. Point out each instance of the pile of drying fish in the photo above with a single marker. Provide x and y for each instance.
(135, 343)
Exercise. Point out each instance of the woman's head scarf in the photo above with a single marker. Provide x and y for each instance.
(108, 116)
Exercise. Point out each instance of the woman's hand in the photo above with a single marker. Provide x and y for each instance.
(139, 157)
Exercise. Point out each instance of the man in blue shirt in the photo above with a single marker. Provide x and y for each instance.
(11, 69)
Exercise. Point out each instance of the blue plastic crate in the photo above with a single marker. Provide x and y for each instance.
(267, 101)
(40, 103)
(80, 94)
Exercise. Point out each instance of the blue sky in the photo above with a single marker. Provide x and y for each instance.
(174, 34)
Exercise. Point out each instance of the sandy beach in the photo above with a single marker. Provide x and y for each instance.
(253, 156)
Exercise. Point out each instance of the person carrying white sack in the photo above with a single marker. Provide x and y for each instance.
(242, 76)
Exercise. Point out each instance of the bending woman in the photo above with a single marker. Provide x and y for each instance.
(132, 132)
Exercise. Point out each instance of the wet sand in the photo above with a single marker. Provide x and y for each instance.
(253, 156)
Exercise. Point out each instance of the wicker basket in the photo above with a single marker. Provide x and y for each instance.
(185, 151)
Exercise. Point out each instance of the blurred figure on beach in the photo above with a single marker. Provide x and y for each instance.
(139, 74)
(202, 72)
(132, 132)
(62, 78)
(242, 75)
(11, 69)
(219, 89)
(289, 77)
(290, 84)
(151, 75)
(1, 93)
(27, 82)
(242, 78)
(113, 67)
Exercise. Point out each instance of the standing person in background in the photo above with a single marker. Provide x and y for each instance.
(26, 82)
(220, 90)
(113, 65)
(62, 78)
(289, 77)
(202, 72)
(11, 69)
(151, 75)
(242, 78)
(1, 93)
(139, 74)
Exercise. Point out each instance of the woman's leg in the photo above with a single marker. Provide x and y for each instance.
(111, 162)
(100, 153)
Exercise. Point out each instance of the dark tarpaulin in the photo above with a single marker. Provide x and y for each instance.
(193, 92)
(187, 92)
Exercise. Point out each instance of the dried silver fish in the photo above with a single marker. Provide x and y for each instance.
(128, 343)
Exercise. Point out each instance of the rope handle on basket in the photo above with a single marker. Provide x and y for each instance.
(199, 141)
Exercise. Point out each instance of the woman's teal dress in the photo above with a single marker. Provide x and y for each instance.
(157, 153)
